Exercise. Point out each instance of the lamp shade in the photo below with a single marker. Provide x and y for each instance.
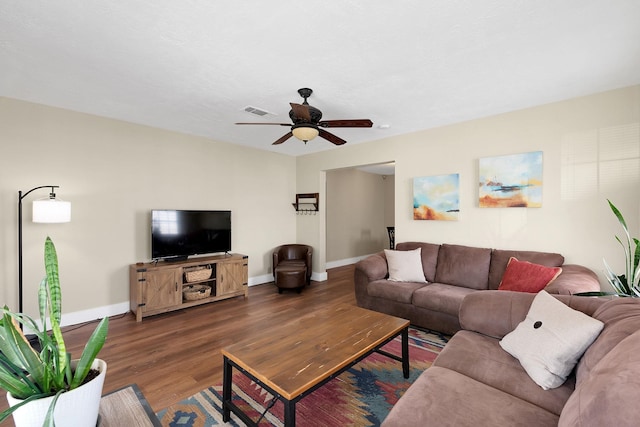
(51, 210)
(304, 132)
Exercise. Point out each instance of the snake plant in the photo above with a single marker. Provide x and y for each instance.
(628, 283)
(28, 374)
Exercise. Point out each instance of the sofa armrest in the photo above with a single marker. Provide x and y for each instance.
(574, 279)
(373, 267)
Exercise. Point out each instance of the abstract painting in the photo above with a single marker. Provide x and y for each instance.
(511, 181)
(436, 197)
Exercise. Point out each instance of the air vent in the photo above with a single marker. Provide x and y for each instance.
(257, 111)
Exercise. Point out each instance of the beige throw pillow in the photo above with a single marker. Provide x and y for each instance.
(405, 266)
(550, 340)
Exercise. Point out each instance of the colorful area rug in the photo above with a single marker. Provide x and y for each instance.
(360, 396)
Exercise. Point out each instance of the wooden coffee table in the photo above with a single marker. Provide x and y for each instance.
(296, 358)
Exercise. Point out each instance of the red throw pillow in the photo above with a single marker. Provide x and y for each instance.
(523, 276)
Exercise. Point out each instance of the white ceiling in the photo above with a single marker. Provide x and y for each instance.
(193, 65)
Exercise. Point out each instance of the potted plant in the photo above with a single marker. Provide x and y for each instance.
(627, 284)
(48, 378)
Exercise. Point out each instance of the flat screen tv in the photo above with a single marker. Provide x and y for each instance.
(177, 234)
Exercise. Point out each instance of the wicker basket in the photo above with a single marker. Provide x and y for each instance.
(197, 274)
(195, 292)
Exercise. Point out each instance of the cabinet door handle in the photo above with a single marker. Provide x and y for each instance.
(176, 286)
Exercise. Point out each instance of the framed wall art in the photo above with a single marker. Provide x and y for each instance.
(436, 197)
(511, 181)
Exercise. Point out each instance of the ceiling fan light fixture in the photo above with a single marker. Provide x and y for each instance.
(304, 131)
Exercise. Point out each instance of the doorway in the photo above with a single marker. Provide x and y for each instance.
(360, 207)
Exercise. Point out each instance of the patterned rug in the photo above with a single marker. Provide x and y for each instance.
(361, 396)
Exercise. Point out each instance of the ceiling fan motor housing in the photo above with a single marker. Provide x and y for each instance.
(316, 116)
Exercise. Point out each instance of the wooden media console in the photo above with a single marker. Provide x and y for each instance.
(160, 287)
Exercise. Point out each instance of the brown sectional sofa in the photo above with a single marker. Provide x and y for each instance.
(474, 382)
(452, 273)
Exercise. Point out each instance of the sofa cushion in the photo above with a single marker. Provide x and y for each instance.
(496, 313)
(500, 259)
(440, 297)
(524, 276)
(621, 317)
(442, 397)
(480, 357)
(550, 340)
(394, 291)
(463, 266)
(428, 253)
(609, 396)
(405, 266)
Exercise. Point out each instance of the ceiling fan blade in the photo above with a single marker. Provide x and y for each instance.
(301, 111)
(331, 137)
(275, 124)
(283, 139)
(349, 123)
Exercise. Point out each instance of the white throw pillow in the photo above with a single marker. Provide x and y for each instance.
(405, 266)
(550, 340)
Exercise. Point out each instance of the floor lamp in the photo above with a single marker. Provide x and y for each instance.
(47, 210)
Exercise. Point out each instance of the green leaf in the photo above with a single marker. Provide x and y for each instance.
(49, 421)
(42, 303)
(91, 350)
(13, 384)
(55, 305)
(636, 258)
(53, 279)
(15, 346)
(618, 215)
(614, 280)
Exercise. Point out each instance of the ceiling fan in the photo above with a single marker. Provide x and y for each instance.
(307, 123)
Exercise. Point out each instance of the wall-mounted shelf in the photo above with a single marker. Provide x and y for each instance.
(307, 202)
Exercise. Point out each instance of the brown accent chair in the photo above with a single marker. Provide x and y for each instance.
(292, 266)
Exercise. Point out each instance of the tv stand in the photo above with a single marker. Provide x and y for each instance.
(157, 287)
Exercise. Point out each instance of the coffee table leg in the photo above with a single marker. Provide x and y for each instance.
(405, 352)
(226, 390)
(289, 413)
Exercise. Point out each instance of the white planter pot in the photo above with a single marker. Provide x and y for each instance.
(76, 408)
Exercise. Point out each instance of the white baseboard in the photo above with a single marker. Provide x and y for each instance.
(266, 278)
(84, 316)
(94, 313)
(259, 280)
(319, 277)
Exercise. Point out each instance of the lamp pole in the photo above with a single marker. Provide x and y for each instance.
(20, 197)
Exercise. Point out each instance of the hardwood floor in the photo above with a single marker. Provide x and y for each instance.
(172, 356)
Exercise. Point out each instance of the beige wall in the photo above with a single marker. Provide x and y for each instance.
(389, 201)
(114, 173)
(591, 149)
(355, 214)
